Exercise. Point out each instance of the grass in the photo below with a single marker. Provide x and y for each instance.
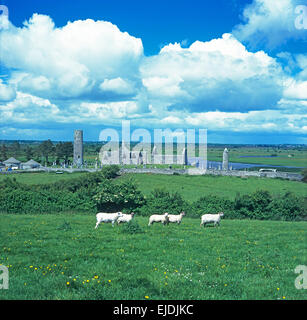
(298, 158)
(41, 177)
(194, 187)
(64, 257)
(190, 187)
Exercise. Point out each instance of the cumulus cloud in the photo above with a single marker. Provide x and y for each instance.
(7, 92)
(269, 23)
(71, 61)
(219, 74)
(89, 72)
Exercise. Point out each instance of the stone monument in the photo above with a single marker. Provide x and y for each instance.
(225, 165)
(78, 148)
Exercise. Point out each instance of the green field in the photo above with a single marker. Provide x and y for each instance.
(64, 257)
(281, 156)
(194, 187)
(190, 187)
(41, 177)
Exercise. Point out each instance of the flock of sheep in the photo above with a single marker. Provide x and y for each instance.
(165, 218)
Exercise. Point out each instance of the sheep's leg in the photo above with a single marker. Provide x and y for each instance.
(97, 224)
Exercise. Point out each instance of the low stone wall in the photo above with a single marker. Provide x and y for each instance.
(153, 170)
(234, 173)
(189, 171)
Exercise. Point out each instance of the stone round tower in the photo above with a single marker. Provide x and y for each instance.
(225, 165)
(78, 147)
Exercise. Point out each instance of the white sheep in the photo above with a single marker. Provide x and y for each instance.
(176, 218)
(163, 218)
(107, 218)
(125, 218)
(211, 218)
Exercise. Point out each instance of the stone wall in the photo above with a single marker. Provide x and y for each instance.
(234, 173)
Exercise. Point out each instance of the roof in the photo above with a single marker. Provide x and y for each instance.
(11, 161)
(32, 163)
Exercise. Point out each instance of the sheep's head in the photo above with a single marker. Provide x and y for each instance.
(166, 214)
(221, 214)
(132, 214)
(183, 213)
(119, 214)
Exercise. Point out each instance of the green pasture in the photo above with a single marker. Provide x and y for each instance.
(194, 187)
(64, 257)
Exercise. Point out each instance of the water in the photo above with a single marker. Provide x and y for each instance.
(258, 156)
(234, 165)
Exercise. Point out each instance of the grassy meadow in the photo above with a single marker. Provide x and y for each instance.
(64, 257)
(193, 187)
(190, 187)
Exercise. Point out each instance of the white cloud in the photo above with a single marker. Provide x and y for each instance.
(219, 74)
(90, 72)
(269, 23)
(296, 90)
(71, 61)
(7, 92)
(118, 86)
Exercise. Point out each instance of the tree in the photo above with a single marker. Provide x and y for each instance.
(64, 150)
(46, 148)
(3, 152)
(304, 176)
(29, 153)
(15, 148)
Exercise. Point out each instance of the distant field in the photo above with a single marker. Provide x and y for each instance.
(190, 187)
(193, 187)
(41, 177)
(64, 257)
(282, 157)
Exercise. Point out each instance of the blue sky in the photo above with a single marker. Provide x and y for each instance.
(235, 67)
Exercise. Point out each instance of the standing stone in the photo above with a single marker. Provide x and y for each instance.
(78, 147)
(225, 160)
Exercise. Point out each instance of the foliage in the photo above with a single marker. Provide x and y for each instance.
(46, 148)
(110, 172)
(132, 227)
(112, 195)
(101, 191)
(210, 204)
(64, 150)
(161, 201)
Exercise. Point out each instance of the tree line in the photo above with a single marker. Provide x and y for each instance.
(42, 152)
(101, 191)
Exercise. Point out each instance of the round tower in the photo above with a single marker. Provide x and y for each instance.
(225, 165)
(78, 147)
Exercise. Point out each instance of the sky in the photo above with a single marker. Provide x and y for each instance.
(237, 68)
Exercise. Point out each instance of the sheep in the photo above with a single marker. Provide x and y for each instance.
(163, 218)
(211, 218)
(107, 217)
(125, 218)
(176, 218)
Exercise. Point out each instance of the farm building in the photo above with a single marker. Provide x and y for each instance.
(12, 163)
(31, 164)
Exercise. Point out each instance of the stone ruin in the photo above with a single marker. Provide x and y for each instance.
(123, 155)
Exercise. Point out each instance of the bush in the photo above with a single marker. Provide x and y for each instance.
(114, 196)
(132, 227)
(210, 204)
(110, 172)
(161, 201)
